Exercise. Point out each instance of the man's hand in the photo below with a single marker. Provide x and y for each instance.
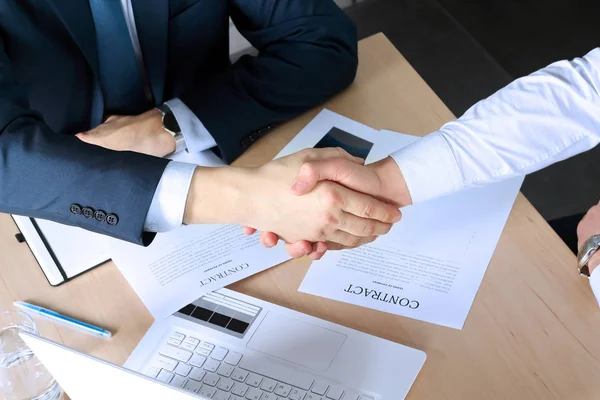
(382, 180)
(589, 226)
(261, 198)
(141, 133)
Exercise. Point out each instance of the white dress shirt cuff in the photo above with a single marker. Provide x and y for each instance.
(168, 204)
(595, 283)
(196, 136)
(429, 168)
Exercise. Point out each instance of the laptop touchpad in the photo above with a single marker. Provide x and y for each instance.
(297, 341)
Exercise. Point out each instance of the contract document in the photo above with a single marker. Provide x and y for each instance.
(182, 265)
(431, 264)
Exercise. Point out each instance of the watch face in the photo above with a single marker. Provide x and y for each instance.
(170, 122)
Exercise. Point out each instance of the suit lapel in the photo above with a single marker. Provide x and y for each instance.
(77, 18)
(151, 19)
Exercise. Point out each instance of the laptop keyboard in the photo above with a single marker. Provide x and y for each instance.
(215, 372)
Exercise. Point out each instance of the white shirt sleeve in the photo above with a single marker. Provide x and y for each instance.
(535, 121)
(168, 204)
(196, 136)
(595, 283)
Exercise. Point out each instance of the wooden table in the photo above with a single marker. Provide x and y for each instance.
(532, 332)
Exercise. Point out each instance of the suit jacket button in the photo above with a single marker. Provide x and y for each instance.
(87, 212)
(112, 219)
(100, 215)
(75, 209)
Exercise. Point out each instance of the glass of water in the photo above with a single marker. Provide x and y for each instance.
(22, 375)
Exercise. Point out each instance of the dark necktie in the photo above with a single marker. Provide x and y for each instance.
(120, 76)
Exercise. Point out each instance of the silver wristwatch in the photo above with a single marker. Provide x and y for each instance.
(169, 123)
(585, 253)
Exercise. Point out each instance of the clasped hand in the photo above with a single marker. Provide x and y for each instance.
(335, 202)
(329, 212)
(382, 180)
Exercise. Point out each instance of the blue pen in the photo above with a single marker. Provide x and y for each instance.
(54, 316)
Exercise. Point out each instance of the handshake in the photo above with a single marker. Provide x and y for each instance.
(315, 200)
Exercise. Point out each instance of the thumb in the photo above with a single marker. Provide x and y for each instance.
(306, 180)
(353, 176)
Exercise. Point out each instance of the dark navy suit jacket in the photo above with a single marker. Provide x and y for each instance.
(49, 71)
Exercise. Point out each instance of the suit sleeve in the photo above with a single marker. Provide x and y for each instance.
(307, 53)
(42, 172)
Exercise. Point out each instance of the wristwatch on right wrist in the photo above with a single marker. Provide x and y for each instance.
(169, 123)
(591, 245)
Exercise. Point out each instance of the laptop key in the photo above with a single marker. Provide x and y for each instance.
(152, 372)
(174, 341)
(165, 363)
(350, 395)
(192, 340)
(203, 352)
(188, 346)
(282, 389)
(312, 396)
(268, 385)
(277, 371)
(320, 388)
(225, 370)
(233, 358)
(221, 395)
(219, 353)
(207, 391)
(239, 389)
(178, 381)
(254, 394)
(335, 393)
(207, 346)
(211, 365)
(178, 336)
(175, 353)
(239, 375)
(192, 386)
(270, 396)
(183, 369)
(197, 374)
(254, 380)
(211, 379)
(225, 384)
(164, 376)
(297, 394)
(197, 361)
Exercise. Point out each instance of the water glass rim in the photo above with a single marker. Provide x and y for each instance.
(22, 314)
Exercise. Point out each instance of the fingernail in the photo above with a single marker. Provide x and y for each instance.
(397, 218)
(321, 247)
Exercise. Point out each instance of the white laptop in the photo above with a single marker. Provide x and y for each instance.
(229, 346)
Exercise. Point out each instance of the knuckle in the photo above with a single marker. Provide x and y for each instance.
(320, 234)
(354, 241)
(332, 197)
(330, 219)
(369, 229)
(369, 210)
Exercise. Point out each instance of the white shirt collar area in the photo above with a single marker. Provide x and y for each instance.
(429, 168)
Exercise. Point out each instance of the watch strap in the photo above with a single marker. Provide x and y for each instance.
(590, 246)
(180, 144)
